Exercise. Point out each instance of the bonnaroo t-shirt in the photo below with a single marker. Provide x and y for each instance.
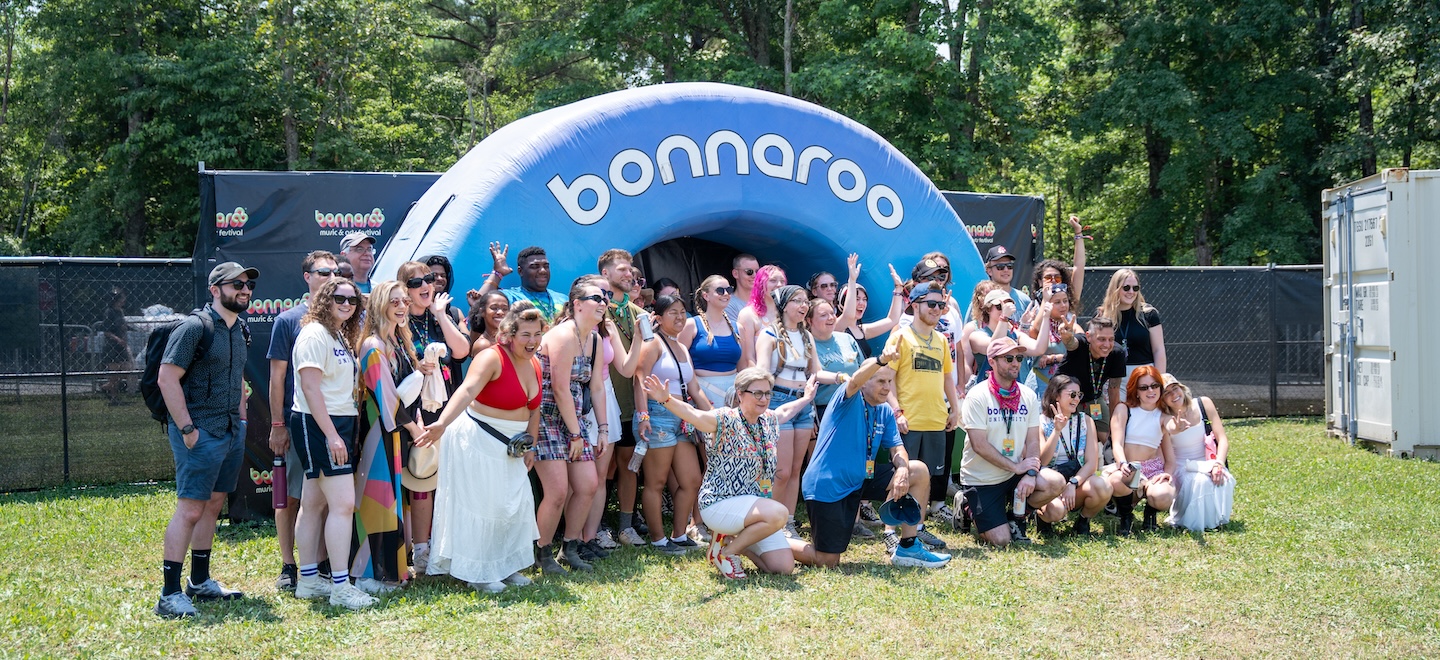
(981, 412)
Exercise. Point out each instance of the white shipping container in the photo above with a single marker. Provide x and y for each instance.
(1382, 351)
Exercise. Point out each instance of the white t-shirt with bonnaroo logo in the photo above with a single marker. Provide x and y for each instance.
(316, 348)
(982, 412)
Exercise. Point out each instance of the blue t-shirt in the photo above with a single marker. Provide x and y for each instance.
(838, 354)
(282, 344)
(548, 308)
(837, 468)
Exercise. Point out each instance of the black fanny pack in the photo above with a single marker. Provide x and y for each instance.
(515, 446)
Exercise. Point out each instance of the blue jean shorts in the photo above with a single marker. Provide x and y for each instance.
(805, 419)
(664, 428)
(211, 466)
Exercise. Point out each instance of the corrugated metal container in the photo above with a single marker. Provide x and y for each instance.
(1382, 351)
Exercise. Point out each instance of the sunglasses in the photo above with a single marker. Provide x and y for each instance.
(1074, 394)
(826, 285)
(724, 290)
(1004, 265)
(639, 282)
(417, 282)
(759, 394)
(750, 272)
(1009, 358)
(937, 276)
(345, 300)
(609, 295)
(1127, 288)
(936, 304)
(1051, 278)
(399, 302)
(1146, 388)
(595, 298)
(325, 272)
(239, 284)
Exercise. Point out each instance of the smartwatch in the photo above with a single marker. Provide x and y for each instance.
(1075, 481)
(187, 429)
(1031, 473)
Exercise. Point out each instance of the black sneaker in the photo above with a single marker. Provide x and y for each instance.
(638, 524)
(324, 568)
(591, 552)
(286, 580)
(668, 548)
(1082, 526)
(1017, 533)
(687, 543)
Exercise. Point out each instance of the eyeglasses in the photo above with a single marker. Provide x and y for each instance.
(417, 282)
(345, 300)
(1146, 388)
(759, 394)
(936, 304)
(826, 285)
(1010, 358)
(1127, 288)
(1004, 265)
(724, 290)
(239, 284)
(362, 249)
(595, 298)
(1074, 394)
(325, 272)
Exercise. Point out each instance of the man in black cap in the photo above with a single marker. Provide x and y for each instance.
(205, 400)
(1000, 266)
(358, 248)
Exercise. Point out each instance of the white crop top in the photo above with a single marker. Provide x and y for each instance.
(1143, 428)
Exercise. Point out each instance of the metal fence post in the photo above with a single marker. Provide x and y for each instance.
(64, 369)
(1274, 342)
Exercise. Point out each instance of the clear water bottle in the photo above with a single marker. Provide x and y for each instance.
(279, 492)
(641, 447)
(1017, 507)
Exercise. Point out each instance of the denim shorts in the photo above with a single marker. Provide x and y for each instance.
(664, 428)
(211, 466)
(805, 419)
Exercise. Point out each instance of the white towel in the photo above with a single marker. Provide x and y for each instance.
(432, 392)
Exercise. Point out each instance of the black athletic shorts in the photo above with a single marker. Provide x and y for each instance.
(309, 442)
(627, 434)
(832, 522)
(989, 506)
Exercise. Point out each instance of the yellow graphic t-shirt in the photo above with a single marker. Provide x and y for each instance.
(920, 373)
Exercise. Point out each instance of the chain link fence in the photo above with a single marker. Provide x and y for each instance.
(72, 339)
(72, 333)
(1250, 338)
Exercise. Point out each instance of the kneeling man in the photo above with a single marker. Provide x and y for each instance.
(843, 470)
(1002, 450)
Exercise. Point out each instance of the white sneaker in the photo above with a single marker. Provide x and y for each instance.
(346, 595)
(422, 557)
(488, 587)
(631, 537)
(313, 586)
(700, 533)
(373, 586)
(606, 540)
(518, 580)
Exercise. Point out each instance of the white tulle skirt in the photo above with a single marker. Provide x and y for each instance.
(484, 525)
(1199, 503)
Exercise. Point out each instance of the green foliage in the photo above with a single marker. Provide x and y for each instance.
(1182, 131)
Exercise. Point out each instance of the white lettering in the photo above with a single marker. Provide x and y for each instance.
(889, 220)
(569, 197)
(667, 147)
(853, 193)
(617, 172)
(810, 155)
(712, 152)
(785, 169)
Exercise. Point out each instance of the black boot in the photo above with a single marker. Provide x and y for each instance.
(1017, 531)
(1082, 526)
(545, 560)
(962, 514)
(571, 552)
(1044, 529)
(1125, 509)
(1151, 523)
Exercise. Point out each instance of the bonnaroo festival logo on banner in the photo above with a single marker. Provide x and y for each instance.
(339, 224)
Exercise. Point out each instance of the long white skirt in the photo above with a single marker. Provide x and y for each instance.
(484, 523)
(1199, 503)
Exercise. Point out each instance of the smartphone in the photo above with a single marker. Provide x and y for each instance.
(647, 329)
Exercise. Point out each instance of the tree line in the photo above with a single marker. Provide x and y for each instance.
(1183, 131)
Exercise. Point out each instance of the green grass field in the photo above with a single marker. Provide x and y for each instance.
(1333, 552)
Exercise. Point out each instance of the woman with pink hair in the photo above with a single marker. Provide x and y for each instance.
(761, 311)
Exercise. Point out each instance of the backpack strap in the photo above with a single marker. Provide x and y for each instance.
(1205, 417)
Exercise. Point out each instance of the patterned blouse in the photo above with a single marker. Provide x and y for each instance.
(741, 457)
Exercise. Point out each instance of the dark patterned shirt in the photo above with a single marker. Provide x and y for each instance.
(213, 385)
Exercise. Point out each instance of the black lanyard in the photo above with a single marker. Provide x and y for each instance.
(1074, 447)
(1097, 376)
(869, 433)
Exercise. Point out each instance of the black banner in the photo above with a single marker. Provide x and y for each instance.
(1014, 221)
(271, 220)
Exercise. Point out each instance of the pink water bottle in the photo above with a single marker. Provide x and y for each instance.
(279, 494)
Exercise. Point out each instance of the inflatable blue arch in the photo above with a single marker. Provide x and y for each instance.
(786, 180)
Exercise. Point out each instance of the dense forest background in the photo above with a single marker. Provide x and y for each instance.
(1183, 131)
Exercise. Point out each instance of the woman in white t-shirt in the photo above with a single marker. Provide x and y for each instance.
(323, 430)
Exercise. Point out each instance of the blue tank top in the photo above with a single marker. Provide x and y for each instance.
(722, 356)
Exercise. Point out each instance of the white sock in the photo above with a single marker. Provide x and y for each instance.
(659, 543)
(309, 570)
(339, 577)
(679, 538)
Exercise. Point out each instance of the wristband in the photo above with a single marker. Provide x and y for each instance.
(277, 425)
(643, 416)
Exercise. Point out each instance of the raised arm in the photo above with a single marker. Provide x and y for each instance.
(879, 327)
(1077, 277)
(625, 362)
(793, 408)
(847, 313)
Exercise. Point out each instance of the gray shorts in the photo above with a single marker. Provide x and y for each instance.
(211, 466)
(928, 447)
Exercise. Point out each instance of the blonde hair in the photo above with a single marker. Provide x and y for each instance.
(1110, 307)
(376, 317)
(749, 375)
(977, 302)
(1187, 398)
(701, 306)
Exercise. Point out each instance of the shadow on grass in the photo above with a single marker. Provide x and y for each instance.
(242, 532)
(78, 492)
(221, 613)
